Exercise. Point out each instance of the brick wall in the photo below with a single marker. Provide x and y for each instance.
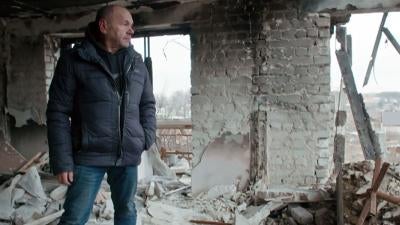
(51, 55)
(293, 87)
(270, 58)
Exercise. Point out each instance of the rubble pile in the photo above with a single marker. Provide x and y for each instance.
(35, 198)
(225, 205)
(357, 179)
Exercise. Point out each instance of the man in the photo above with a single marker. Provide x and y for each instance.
(100, 117)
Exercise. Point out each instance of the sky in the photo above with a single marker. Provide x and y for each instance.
(172, 62)
(385, 75)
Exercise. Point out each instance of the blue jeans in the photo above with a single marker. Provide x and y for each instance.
(82, 193)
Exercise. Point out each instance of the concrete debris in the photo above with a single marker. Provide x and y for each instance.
(357, 178)
(161, 214)
(322, 217)
(159, 190)
(47, 219)
(185, 179)
(300, 214)
(108, 211)
(59, 193)
(26, 213)
(150, 190)
(6, 204)
(226, 191)
(293, 195)
(18, 193)
(31, 183)
(159, 166)
(256, 215)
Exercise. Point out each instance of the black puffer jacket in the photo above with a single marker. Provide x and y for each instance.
(85, 123)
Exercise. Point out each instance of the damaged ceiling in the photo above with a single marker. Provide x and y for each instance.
(48, 8)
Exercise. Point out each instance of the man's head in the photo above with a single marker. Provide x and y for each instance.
(115, 23)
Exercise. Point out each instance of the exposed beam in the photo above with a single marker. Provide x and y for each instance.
(351, 6)
(375, 50)
(391, 38)
(368, 138)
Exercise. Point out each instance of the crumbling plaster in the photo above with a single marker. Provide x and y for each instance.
(26, 87)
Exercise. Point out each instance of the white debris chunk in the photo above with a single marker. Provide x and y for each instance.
(6, 205)
(17, 194)
(162, 214)
(31, 183)
(227, 191)
(256, 215)
(159, 189)
(150, 189)
(108, 211)
(59, 192)
(159, 166)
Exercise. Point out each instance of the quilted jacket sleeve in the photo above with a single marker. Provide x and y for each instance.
(59, 109)
(148, 112)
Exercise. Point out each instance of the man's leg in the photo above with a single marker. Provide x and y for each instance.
(123, 182)
(81, 194)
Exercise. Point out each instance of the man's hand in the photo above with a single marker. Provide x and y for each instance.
(65, 178)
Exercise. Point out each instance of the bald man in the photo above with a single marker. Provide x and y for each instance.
(100, 117)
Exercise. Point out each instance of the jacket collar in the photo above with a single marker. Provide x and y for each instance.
(87, 49)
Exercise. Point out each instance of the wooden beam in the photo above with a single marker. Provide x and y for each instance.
(375, 50)
(258, 135)
(388, 198)
(174, 124)
(209, 222)
(368, 139)
(391, 38)
(339, 199)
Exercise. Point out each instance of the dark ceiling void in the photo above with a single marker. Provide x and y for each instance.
(34, 8)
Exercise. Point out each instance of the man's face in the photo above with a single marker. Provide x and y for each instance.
(119, 28)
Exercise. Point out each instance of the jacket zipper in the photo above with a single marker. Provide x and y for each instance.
(119, 109)
(119, 97)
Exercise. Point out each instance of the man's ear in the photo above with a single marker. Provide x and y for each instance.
(103, 26)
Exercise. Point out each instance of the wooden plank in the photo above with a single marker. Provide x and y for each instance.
(375, 185)
(258, 134)
(364, 212)
(339, 198)
(368, 138)
(391, 38)
(375, 50)
(380, 177)
(388, 198)
(377, 169)
(28, 164)
(209, 222)
(174, 124)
